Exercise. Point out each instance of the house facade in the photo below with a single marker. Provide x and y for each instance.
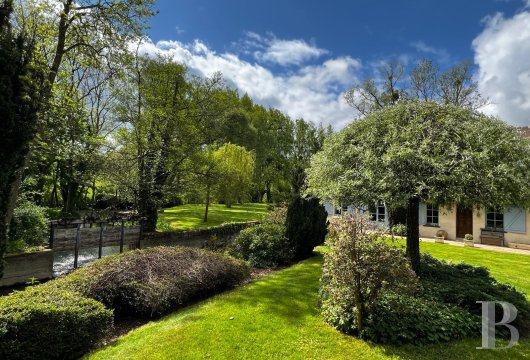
(502, 227)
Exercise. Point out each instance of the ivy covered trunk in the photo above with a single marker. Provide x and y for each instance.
(413, 233)
(18, 109)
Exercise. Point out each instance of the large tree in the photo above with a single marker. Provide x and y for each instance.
(424, 152)
(18, 110)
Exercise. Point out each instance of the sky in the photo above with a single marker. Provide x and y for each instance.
(301, 56)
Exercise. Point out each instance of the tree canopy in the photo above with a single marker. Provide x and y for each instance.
(423, 151)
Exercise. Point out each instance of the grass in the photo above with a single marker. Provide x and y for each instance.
(277, 317)
(190, 217)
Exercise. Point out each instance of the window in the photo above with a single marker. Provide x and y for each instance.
(495, 218)
(432, 215)
(377, 213)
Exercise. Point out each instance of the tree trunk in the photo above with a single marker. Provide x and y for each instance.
(268, 193)
(207, 203)
(413, 233)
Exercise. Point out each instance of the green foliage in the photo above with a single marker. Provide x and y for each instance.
(29, 225)
(468, 236)
(399, 230)
(441, 307)
(45, 322)
(19, 103)
(263, 246)
(463, 285)
(153, 281)
(359, 270)
(306, 225)
(402, 155)
(402, 319)
(235, 167)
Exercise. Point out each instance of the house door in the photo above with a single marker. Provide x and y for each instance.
(464, 221)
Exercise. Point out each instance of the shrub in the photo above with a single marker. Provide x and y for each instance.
(358, 270)
(155, 280)
(44, 322)
(468, 237)
(277, 216)
(399, 230)
(29, 225)
(463, 285)
(402, 319)
(306, 225)
(263, 246)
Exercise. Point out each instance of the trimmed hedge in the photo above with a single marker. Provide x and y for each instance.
(155, 280)
(44, 322)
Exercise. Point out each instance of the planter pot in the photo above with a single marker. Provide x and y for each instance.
(469, 243)
(439, 239)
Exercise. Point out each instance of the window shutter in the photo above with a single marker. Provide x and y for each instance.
(422, 214)
(515, 219)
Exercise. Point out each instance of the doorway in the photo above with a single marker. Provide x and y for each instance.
(464, 221)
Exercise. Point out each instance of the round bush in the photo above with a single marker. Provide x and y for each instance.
(263, 246)
(44, 322)
(155, 280)
(29, 224)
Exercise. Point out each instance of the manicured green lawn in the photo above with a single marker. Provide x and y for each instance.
(277, 317)
(186, 217)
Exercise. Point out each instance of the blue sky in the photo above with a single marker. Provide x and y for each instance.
(300, 56)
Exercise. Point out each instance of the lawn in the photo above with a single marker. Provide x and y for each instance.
(186, 217)
(277, 317)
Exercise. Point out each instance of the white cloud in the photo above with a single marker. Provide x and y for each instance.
(289, 52)
(314, 92)
(269, 49)
(502, 53)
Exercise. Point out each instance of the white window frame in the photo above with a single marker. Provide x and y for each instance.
(433, 209)
(496, 212)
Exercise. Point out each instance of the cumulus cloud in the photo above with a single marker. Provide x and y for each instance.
(270, 49)
(502, 53)
(314, 92)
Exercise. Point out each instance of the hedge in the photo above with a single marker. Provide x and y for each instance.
(45, 322)
(155, 280)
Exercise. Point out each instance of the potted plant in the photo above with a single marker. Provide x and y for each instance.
(441, 235)
(468, 240)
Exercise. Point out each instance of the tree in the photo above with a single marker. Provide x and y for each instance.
(425, 82)
(424, 152)
(18, 107)
(235, 167)
(307, 140)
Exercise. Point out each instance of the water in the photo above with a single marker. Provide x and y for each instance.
(63, 261)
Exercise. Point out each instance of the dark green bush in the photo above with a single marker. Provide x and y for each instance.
(402, 319)
(306, 225)
(263, 246)
(29, 226)
(44, 322)
(155, 280)
(463, 285)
